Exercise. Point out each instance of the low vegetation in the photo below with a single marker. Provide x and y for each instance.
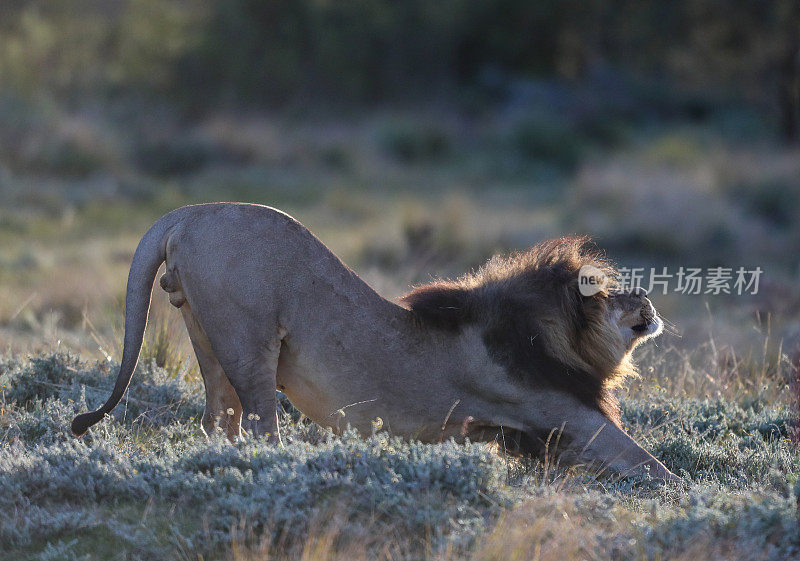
(147, 484)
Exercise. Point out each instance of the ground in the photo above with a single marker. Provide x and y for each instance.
(147, 484)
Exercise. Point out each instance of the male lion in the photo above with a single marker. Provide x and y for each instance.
(512, 351)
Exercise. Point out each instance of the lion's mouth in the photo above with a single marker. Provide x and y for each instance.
(647, 327)
(649, 321)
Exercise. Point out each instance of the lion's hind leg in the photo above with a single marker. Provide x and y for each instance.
(223, 409)
(253, 376)
(248, 353)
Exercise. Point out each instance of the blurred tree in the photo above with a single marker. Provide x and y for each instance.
(148, 39)
(256, 52)
(789, 69)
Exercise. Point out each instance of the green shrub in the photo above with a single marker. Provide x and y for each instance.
(776, 202)
(546, 141)
(66, 157)
(175, 156)
(414, 142)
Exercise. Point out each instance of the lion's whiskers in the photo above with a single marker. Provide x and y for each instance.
(670, 327)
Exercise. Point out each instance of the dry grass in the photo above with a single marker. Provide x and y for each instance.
(544, 528)
(708, 370)
(166, 342)
(547, 528)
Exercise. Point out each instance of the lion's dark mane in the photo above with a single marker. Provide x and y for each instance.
(515, 300)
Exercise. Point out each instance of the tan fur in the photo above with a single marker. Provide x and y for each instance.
(269, 307)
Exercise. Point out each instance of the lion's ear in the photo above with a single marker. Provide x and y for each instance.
(442, 305)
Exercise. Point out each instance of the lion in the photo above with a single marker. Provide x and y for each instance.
(511, 352)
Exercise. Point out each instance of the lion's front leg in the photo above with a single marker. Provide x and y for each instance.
(596, 441)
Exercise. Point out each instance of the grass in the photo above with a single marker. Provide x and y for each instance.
(146, 483)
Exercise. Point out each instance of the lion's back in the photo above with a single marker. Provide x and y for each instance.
(250, 255)
(224, 251)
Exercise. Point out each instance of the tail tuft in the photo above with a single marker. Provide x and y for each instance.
(82, 422)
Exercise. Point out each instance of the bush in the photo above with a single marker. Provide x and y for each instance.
(176, 156)
(412, 142)
(545, 141)
(775, 202)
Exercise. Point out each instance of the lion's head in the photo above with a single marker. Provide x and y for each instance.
(536, 322)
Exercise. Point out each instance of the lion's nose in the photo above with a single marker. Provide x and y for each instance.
(648, 312)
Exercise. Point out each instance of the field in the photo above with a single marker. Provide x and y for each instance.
(148, 485)
(402, 197)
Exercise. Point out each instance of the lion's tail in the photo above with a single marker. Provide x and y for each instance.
(149, 255)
